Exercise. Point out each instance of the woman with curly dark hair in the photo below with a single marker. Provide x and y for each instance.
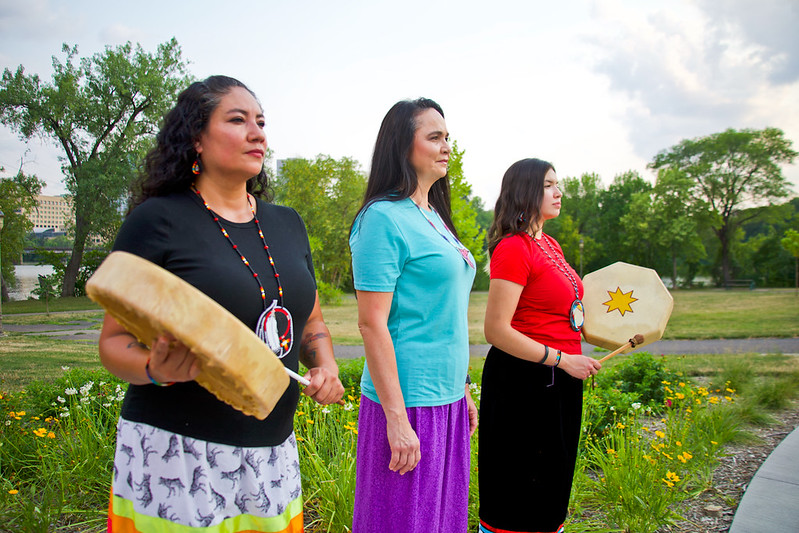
(532, 389)
(185, 459)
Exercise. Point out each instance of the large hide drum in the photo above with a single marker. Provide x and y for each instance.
(622, 300)
(235, 365)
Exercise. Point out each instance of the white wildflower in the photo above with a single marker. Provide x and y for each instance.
(61, 400)
(64, 368)
(636, 405)
(70, 391)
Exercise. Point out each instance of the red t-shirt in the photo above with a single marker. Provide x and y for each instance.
(545, 302)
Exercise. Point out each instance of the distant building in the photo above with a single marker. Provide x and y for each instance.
(51, 216)
(51, 212)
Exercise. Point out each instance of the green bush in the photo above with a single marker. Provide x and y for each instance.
(602, 406)
(349, 372)
(643, 375)
(328, 294)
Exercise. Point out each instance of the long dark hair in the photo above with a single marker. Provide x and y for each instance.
(392, 176)
(519, 204)
(167, 167)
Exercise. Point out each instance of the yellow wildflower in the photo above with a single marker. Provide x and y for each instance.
(308, 421)
(611, 451)
(714, 400)
(678, 443)
(13, 491)
(51, 435)
(41, 432)
(620, 426)
(660, 434)
(680, 396)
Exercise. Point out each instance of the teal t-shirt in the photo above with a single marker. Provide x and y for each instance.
(395, 249)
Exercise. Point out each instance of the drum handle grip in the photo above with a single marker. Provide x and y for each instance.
(302, 380)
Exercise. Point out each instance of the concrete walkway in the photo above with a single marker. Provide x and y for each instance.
(771, 501)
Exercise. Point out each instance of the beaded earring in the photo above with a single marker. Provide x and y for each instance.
(196, 168)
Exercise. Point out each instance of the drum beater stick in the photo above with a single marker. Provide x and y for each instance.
(632, 343)
(304, 381)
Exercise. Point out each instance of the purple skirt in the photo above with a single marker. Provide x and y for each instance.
(432, 498)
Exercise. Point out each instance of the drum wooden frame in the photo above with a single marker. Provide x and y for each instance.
(148, 301)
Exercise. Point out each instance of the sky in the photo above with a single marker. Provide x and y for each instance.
(590, 85)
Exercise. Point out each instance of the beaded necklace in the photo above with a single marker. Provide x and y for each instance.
(456, 244)
(267, 322)
(576, 312)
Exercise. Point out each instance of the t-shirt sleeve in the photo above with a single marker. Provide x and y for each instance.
(306, 244)
(511, 261)
(379, 251)
(145, 233)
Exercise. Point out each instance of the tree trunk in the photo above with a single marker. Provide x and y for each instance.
(75, 260)
(673, 270)
(724, 238)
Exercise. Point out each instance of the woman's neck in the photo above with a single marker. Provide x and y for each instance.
(228, 200)
(420, 196)
(536, 233)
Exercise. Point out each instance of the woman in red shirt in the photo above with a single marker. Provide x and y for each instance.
(532, 389)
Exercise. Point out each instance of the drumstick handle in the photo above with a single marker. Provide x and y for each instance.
(615, 352)
(302, 380)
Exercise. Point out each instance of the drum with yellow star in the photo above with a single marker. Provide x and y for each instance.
(623, 300)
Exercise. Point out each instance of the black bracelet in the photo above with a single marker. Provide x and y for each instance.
(546, 354)
(468, 379)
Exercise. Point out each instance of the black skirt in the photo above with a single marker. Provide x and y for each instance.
(529, 433)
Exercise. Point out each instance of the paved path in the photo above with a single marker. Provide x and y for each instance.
(771, 501)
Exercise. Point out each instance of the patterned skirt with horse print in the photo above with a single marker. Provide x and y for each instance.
(164, 481)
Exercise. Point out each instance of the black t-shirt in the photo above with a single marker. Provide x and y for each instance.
(177, 233)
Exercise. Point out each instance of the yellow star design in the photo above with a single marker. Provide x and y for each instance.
(620, 301)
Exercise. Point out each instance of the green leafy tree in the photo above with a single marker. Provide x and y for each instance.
(327, 194)
(658, 224)
(618, 238)
(46, 290)
(791, 243)
(483, 219)
(464, 215)
(101, 111)
(759, 252)
(578, 220)
(17, 197)
(729, 170)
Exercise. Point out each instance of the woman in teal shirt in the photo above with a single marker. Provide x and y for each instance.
(412, 276)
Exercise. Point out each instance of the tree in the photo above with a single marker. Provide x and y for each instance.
(791, 243)
(728, 171)
(464, 215)
(17, 197)
(327, 194)
(618, 239)
(658, 224)
(101, 112)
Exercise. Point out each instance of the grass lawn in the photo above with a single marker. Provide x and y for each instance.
(699, 314)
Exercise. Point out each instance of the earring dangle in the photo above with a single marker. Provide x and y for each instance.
(195, 167)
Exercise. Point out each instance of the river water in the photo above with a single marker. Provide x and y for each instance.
(27, 280)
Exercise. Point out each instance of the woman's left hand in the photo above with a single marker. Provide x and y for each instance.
(325, 387)
(472, 412)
